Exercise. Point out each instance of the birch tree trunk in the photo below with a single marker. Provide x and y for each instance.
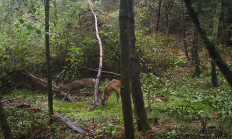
(100, 60)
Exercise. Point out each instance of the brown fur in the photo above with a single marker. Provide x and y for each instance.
(110, 87)
(77, 85)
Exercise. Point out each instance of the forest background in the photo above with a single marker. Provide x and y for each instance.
(181, 94)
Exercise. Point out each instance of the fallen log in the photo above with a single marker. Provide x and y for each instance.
(75, 127)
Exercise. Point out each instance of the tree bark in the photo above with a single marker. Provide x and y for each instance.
(158, 17)
(215, 32)
(54, 2)
(49, 75)
(125, 69)
(137, 94)
(183, 30)
(195, 53)
(100, 60)
(210, 45)
(4, 124)
(167, 22)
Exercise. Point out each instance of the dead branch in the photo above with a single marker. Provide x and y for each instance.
(154, 72)
(72, 124)
(110, 72)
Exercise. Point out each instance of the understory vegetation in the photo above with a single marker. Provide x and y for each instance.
(178, 105)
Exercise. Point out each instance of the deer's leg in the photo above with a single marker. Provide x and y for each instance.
(78, 92)
(118, 95)
(65, 96)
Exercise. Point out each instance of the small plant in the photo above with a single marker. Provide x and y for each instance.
(171, 135)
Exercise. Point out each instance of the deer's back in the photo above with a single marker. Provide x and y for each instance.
(84, 83)
(112, 85)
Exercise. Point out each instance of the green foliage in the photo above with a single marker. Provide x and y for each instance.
(150, 83)
(171, 135)
(109, 129)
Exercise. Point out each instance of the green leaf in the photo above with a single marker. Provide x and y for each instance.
(12, 67)
(21, 21)
(29, 27)
(21, 61)
(30, 11)
(3, 63)
(38, 31)
(23, 49)
(34, 10)
(25, 4)
(16, 52)
(25, 69)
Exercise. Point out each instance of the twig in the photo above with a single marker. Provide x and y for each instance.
(110, 72)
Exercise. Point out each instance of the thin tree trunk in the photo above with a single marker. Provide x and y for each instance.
(158, 17)
(100, 61)
(137, 94)
(125, 70)
(215, 32)
(167, 22)
(49, 75)
(55, 12)
(4, 124)
(183, 30)
(195, 54)
(209, 45)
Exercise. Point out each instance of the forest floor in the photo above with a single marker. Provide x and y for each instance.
(178, 105)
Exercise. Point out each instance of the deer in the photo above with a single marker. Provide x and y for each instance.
(77, 85)
(109, 88)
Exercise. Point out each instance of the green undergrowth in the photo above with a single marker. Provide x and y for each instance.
(84, 110)
(187, 100)
(186, 103)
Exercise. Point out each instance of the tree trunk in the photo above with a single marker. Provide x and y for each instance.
(125, 70)
(100, 60)
(210, 45)
(195, 54)
(137, 94)
(215, 32)
(54, 2)
(4, 124)
(214, 74)
(49, 75)
(158, 17)
(167, 23)
(183, 30)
